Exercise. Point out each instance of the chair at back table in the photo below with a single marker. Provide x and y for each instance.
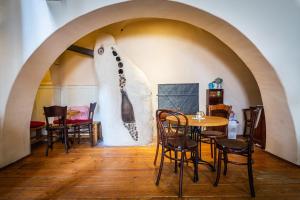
(211, 133)
(174, 138)
(86, 125)
(239, 147)
(60, 113)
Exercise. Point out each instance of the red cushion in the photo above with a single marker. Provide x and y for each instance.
(83, 120)
(36, 124)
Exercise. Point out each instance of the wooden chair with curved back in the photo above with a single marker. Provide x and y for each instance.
(174, 138)
(60, 113)
(239, 147)
(211, 133)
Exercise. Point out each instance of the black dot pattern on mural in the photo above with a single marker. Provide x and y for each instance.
(131, 127)
(114, 53)
(132, 130)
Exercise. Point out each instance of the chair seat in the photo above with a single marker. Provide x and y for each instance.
(36, 124)
(232, 144)
(213, 134)
(68, 121)
(182, 143)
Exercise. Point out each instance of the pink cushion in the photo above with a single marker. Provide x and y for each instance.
(84, 112)
(36, 124)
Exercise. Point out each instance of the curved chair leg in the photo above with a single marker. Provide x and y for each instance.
(78, 132)
(156, 152)
(219, 168)
(91, 134)
(196, 176)
(176, 164)
(250, 176)
(215, 155)
(211, 148)
(160, 167)
(225, 162)
(66, 141)
(181, 174)
(48, 140)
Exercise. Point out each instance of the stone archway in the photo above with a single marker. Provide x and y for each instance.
(15, 143)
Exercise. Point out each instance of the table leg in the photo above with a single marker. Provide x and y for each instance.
(196, 136)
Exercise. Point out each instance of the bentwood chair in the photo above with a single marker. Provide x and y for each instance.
(158, 141)
(56, 130)
(86, 125)
(174, 138)
(239, 147)
(211, 133)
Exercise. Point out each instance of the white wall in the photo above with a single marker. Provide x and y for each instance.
(70, 81)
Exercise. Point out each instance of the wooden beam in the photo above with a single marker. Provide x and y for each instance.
(81, 50)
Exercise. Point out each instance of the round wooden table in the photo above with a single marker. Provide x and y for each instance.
(196, 125)
(205, 121)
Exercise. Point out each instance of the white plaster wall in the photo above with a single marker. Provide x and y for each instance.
(70, 81)
(251, 18)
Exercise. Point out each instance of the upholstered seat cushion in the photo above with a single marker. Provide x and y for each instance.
(213, 134)
(181, 143)
(36, 124)
(84, 121)
(232, 144)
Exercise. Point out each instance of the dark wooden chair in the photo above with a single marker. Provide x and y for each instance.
(86, 125)
(174, 138)
(238, 147)
(158, 141)
(247, 120)
(211, 133)
(56, 130)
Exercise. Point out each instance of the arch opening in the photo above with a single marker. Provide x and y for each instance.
(22, 94)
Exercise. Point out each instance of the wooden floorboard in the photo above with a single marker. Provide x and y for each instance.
(129, 173)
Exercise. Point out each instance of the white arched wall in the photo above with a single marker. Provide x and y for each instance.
(15, 139)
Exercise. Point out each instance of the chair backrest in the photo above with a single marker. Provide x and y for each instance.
(255, 118)
(220, 110)
(92, 110)
(178, 124)
(59, 112)
(83, 115)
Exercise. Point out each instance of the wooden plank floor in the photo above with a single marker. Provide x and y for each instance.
(128, 172)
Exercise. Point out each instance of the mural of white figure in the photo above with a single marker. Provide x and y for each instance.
(124, 96)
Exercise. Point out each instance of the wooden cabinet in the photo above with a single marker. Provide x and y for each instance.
(213, 97)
